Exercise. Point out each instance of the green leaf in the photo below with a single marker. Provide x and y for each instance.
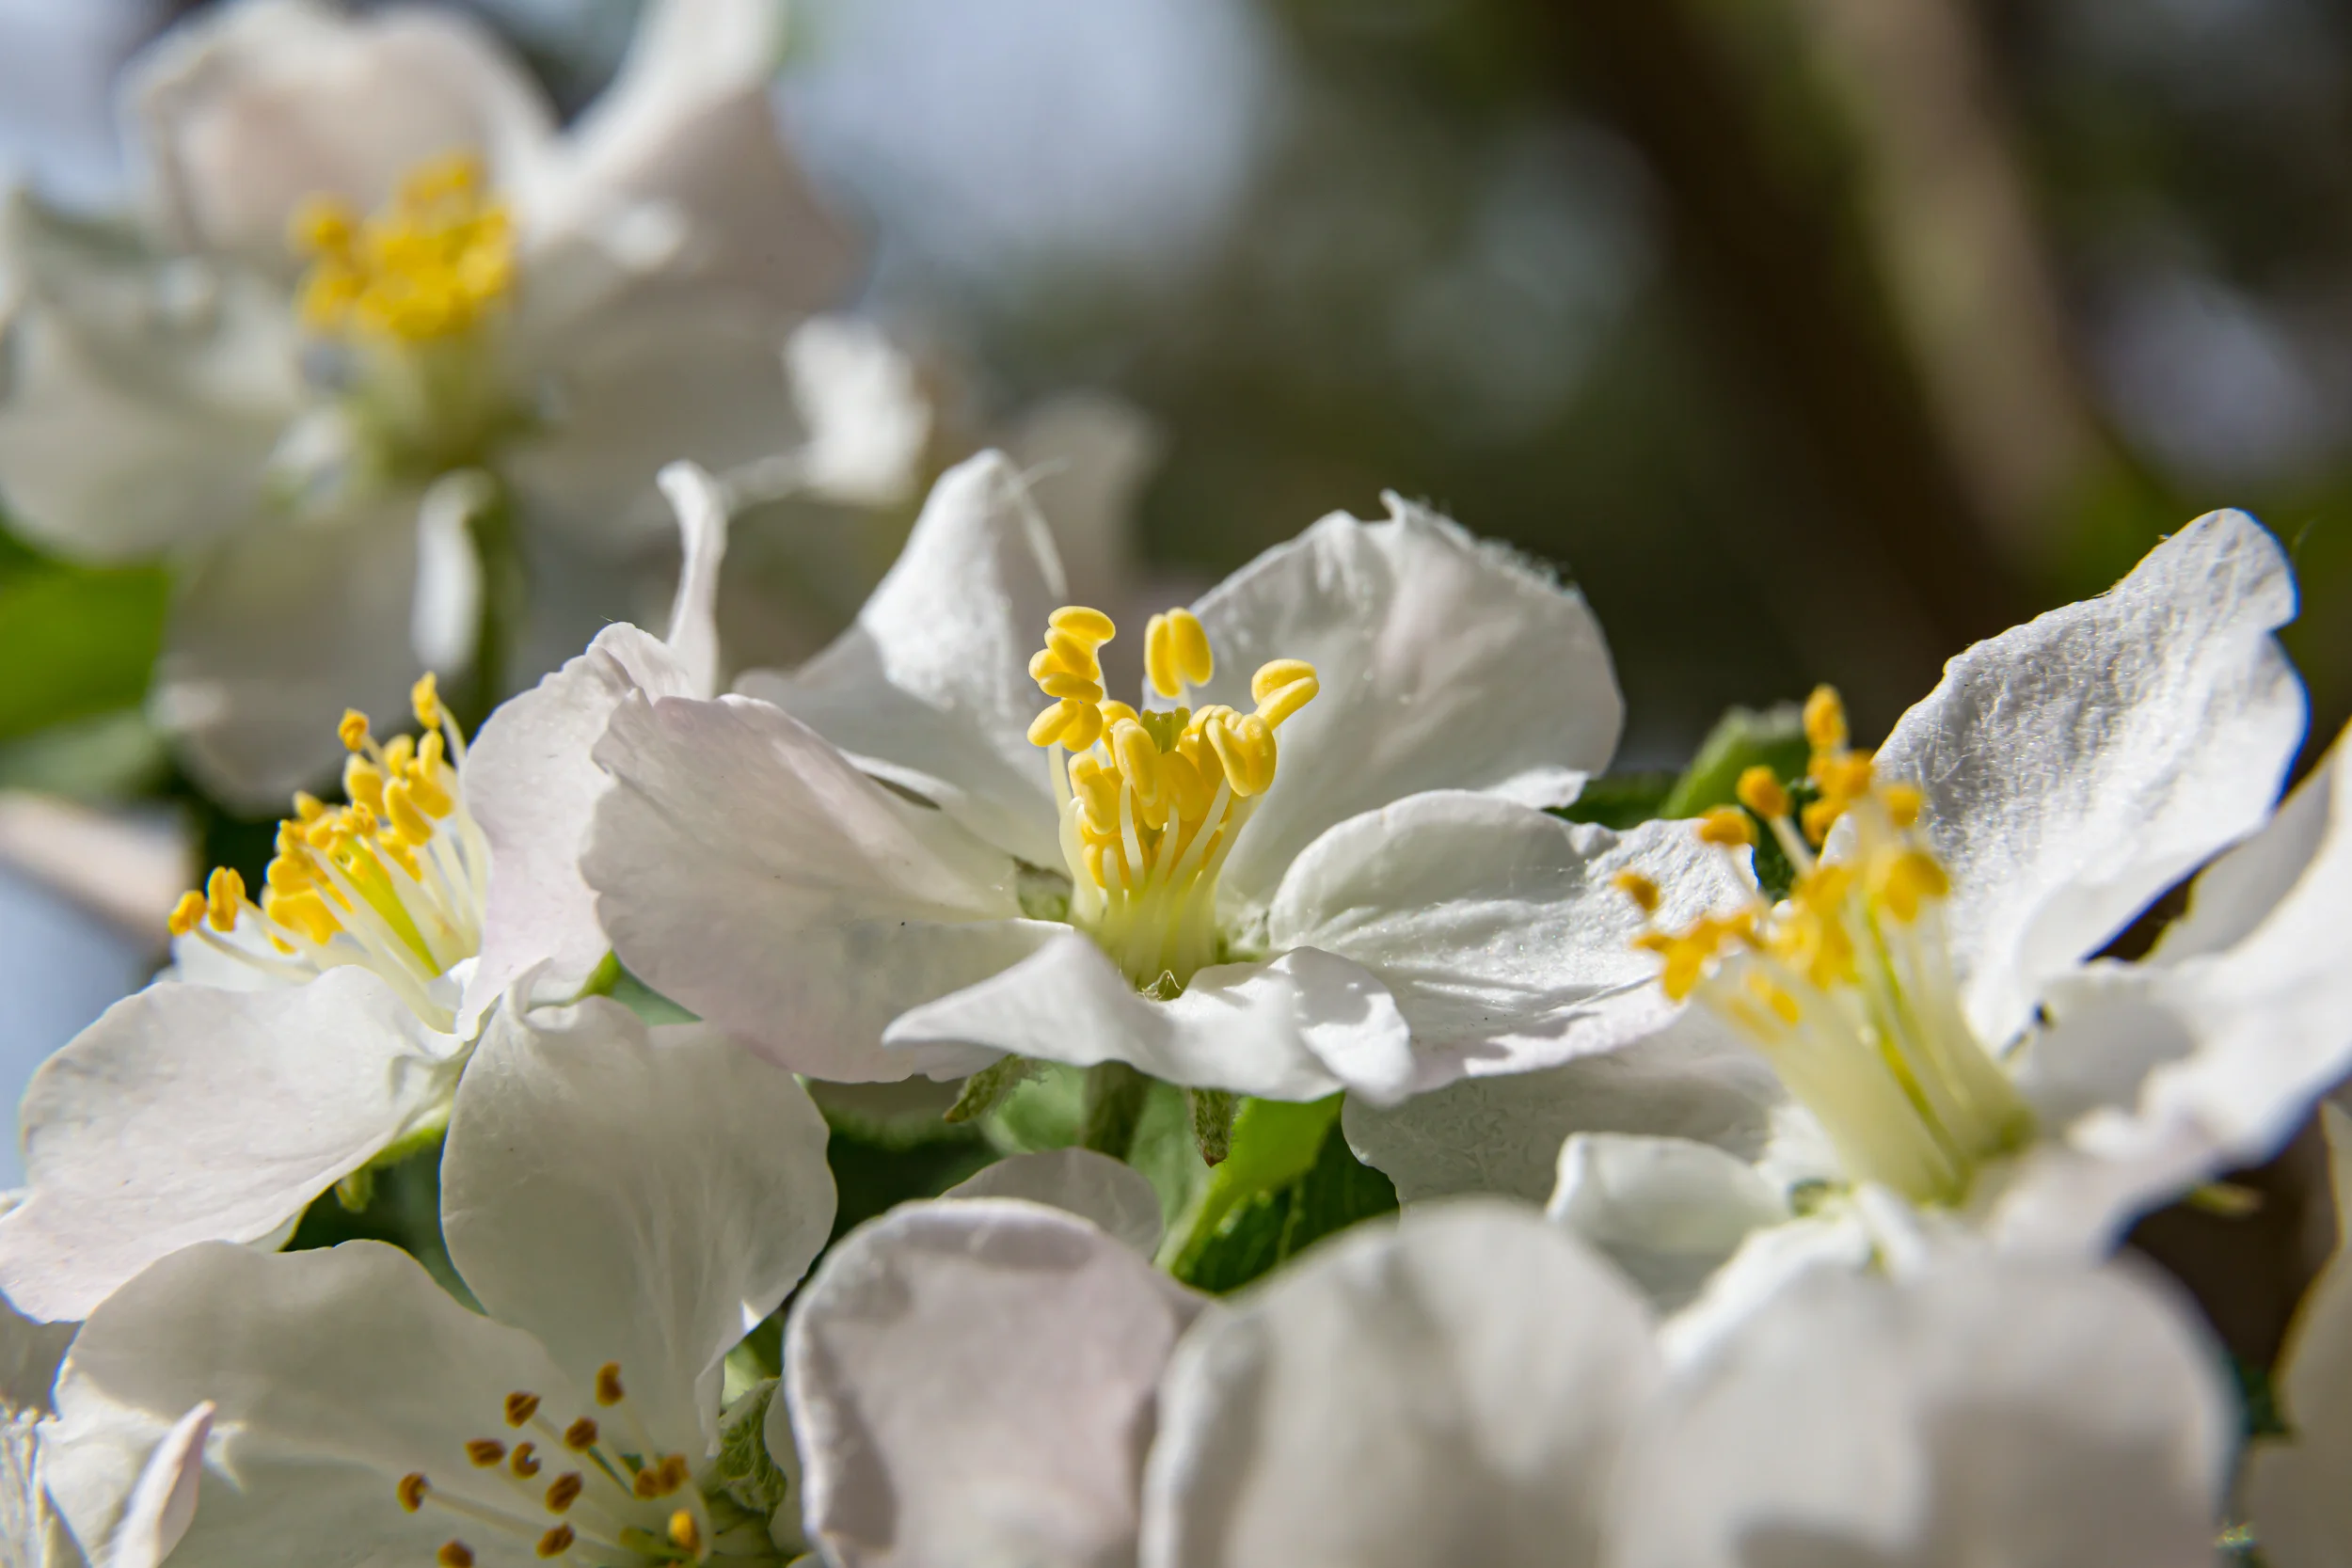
(78, 642)
(115, 757)
(1619, 800)
(1741, 739)
(1275, 1142)
(1335, 1192)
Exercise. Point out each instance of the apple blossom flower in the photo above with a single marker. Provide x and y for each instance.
(480, 323)
(304, 1037)
(622, 1201)
(1303, 861)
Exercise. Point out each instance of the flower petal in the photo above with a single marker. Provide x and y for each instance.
(1303, 1026)
(531, 783)
(1445, 663)
(974, 1382)
(2077, 766)
(1669, 1212)
(633, 1198)
(930, 687)
(1087, 457)
(254, 107)
(1502, 1135)
(1988, 1411)
(1452, 1388)
(2294, 1485)
(748, 871)
(1092, 1186)
(1496, 925)
(164, 1500)
(186, 1114)
(334, 1373)
(275, 633)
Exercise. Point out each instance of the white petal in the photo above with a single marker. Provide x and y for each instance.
(973, 1382)
(2243, 889)
(1769, 1260)
(1452, 1388)
(1496, 926)
(863, 407)
(334, 1373)
(1502, 1135)
(686, 136)
(186, 1114)
(1087, 457)
(531, 783)
(1303, 1026)
(746, 870)
(1445, 664)
(251, 108)
(1669, 1212)
(1109, 1192)
(445, 612)
(144, 393)
(274, 634)
(930, 687)
(2077, 766)
(632, 1198)
(164, 1501)
(2032, 1416)
(2294, 1485)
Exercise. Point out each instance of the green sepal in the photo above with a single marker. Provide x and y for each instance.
(1273, 1142)
(986, 1089)
(1335, 1192)
(1213, 1112)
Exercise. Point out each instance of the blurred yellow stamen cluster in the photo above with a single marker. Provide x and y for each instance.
(618, 1502)
(1846, 985)
(395, 879)
(430, 264)
(1152, 800)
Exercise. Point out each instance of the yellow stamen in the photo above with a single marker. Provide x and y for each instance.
(608, 1389)
(1904, 804)
(224, 896)
(581, 1435)
(1760, 789)
(1639, 888)
(1176, 653)
(187, 914)
(484, 1451)
(556, 1541)
(412, 1490)
(1904, 880)
(563, 1491)
(520, 1407)
(431, 264)
(524, 1461)
(352, 731)
(1825, 719)
(424, 699)
(686, 1534)
(1728, 827)
(454, 1555)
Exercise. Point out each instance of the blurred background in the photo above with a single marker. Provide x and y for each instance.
(1814, 339)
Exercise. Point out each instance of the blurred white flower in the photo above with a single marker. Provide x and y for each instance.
(302, 1039)
(621, 1202)
(1370, 909)
(2294, 1488)
(480, 322)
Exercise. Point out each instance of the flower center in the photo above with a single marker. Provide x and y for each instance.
(1152, 799)
(406, 302)
(1846, 986)
(395, 880)
(598, 1492)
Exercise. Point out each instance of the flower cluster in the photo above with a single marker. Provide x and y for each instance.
(1763, 1172)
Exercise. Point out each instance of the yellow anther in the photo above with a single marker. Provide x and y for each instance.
(187, 914)
(1245, 749)
(1819, 816)
(412, 1488)
(563, 1491)
(581, 1435)
(520, 1407)
(400, 750)
(1282, 687)
(308, 807)
(1069, 722)
(686, 1534)
(320, 224)
(352, 731)
(1639, 888)
(304, 912)
(428, 264)
(1847, 776)
(1906, 879)
(484, 1451)
(1068, 652)
(224, 896)
(424, 701)
(1176, 652)
(1825, 719)
(1784, 1006)
(556, 1541)
(400, 811)
(1138, 761)
(524, 1461)
(363, 783)
(1091, 626)
(646, 1483)
(457, 1554)
(608, 1389)
(1760, 790)
(1060, 683)
(1903, 804)
(1728, 827)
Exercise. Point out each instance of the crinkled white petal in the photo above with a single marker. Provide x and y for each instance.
(334, 1374)
(930, 687)
(2036, 1416)
(1452, 1388)
(1305, 1025)
(1502, 1135)
(2294, 1485)
(1111, 1193)
(187, 1114)
(278, 630)
(632, 1195)
(973, 1382)
(1496, 928)
(748, 871)
(252, 107)
(1669, 1212)
(1445, 663)
(531, 780)
(2077, 766)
